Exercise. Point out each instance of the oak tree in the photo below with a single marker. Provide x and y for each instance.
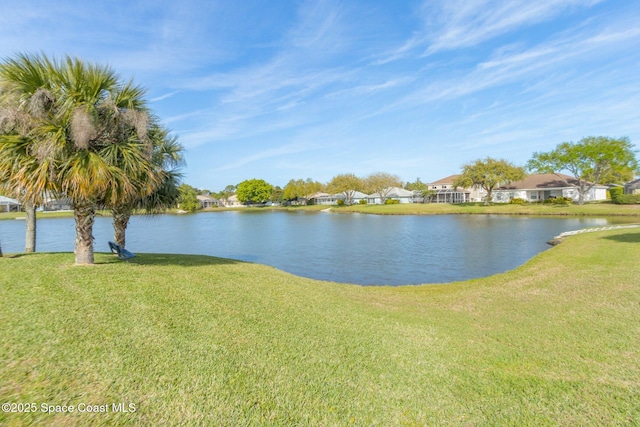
(592, 160)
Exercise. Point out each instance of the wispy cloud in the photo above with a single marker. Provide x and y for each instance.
(516, 65)
(319, 87)
(455, 24)
(269, 154)
(165, 96)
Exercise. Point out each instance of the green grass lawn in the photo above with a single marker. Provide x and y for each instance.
(195, 340)
(588, 209)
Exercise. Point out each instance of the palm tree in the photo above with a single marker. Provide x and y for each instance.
(91, 145)
(109, 155)
(166, 157)
(25, 102)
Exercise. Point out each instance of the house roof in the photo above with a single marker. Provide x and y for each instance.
(395, 192)
(203, 198)
(447, 180)
(542, 181)
(359, 195)
(316, 195)
(8, 201)
(355, 195)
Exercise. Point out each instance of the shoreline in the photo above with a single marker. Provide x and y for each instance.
(586, 210)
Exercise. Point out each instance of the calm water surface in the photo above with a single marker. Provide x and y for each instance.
(352, 248)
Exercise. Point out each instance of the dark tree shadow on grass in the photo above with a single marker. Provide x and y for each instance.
(625, 238)
(167, 259)
(106, 258)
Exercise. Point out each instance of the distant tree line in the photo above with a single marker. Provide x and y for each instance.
(591, 160)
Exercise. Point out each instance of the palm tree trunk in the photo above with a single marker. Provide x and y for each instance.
(121, 215)
(84, 214)
(30, 210)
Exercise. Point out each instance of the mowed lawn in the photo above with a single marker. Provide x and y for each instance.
(194, 340)
(542, 209)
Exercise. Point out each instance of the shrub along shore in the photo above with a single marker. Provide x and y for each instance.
(195, 340)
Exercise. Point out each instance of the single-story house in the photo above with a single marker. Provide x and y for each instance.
(393, 193)
(539, 187)
(206, 201)
(446, 192)
(328, 199)
(232, 202)
(632, 187)
(312, 199)
(357, 196)
(57, 204)
(9, 205)
(332, 199)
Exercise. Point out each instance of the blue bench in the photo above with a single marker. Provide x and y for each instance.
(120, 252)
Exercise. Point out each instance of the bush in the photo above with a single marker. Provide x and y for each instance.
(391, 202)
(559, 200)
(363, 201)
(615, 193)
(340, 202)
(517, 201)
(628, 199)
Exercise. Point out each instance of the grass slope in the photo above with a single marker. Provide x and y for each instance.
(193, 340)
(589, 209)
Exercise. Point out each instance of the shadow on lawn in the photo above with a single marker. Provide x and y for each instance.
(105, 258)
(172, 259)
(624, 238)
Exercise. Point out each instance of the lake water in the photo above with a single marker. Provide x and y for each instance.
(351, 248)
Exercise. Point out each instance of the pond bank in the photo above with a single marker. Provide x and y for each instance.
(553, 340)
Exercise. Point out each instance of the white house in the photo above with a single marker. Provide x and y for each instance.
(357, 196)
(332, 199)
(232, 202)
(539, 187)
(206, 201)
(9, 205)
(393, 193)
(57, 204)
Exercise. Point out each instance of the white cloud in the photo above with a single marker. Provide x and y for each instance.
(165, 96)
(269, 154)
(455, 24)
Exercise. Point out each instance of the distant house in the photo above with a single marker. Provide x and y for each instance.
(57, 204)
(9, 205)
(539, 187)
(393, 193)
(332, 199)
(632, 187)
(357, 196)
(312, 199)
(446, 192)
(328, 199)
(207, 201)
(232, 201)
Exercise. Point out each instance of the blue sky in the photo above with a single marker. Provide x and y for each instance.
(283, 90)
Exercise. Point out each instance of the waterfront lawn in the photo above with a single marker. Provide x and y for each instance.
(194, 340)
(588, 209)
